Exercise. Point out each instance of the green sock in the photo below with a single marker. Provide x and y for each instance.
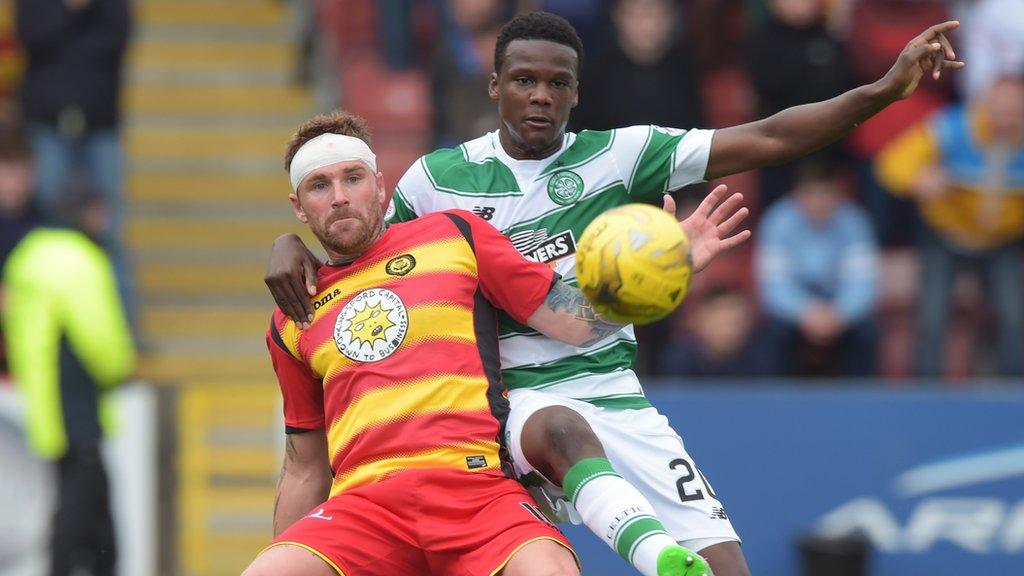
(617, 513)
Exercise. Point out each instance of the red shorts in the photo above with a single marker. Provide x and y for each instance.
(442, 522)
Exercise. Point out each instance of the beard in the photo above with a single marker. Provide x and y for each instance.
(360, 232)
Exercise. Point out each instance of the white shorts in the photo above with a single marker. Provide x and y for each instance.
(644, 449)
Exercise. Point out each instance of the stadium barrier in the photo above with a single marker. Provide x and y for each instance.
(931, 480)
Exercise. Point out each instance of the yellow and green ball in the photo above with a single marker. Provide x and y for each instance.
(633, 263)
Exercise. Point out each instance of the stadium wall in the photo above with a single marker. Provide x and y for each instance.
(932, 479)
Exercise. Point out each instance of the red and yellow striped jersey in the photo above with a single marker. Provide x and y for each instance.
(400, 364)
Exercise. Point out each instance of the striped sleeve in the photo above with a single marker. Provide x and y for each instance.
(301, 390)
(653, 160)
(412, 191)
(508, 280)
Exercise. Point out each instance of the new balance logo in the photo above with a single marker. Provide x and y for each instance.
(719, 513)
(485, 212)
(320, 514)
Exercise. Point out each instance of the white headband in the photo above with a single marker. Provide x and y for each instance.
(327, 149)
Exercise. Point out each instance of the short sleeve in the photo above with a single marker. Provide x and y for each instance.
(301, 390)
(508, 280)
(412, 189)
(654, 160)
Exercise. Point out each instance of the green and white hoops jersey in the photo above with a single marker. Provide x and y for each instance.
(543, 207)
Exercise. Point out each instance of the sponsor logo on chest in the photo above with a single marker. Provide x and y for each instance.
(536, 245)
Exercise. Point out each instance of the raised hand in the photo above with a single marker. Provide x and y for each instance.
(928, 53)
(709, 229)
(291, 278)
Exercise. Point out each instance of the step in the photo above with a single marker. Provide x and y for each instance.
(173, 321)
(204, 142)
(181, 187)
(198, 279)
(175, 369)
(240, 344)
(218, 100)
(214, 207)
(225, 232)
(283, 122)
(268, 165)
(211, 12)
(252, 77)
(212, 54)
(200, 32)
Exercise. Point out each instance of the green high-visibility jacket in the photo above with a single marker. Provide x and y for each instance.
(68, 341)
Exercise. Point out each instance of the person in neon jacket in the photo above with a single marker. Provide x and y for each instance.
(69, 344)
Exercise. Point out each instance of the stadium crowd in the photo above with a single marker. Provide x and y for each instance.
(896, 252)
(863, 255)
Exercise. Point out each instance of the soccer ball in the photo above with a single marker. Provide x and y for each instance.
(633, 264)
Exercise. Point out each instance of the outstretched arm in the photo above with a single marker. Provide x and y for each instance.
(291, 277)
(797, 131)
(566, 315)
(305, 477)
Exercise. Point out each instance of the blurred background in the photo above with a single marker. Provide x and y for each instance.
(851, 379)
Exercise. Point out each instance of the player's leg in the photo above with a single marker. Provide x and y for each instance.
(470, 524)
(557, 442)
(289, 560)
(541, 558)
(651, 456)
(726, 559)
(350, 530)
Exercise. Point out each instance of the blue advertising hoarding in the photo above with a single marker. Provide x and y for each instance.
(934, 479)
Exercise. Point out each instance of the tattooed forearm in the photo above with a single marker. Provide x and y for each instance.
(565, 298)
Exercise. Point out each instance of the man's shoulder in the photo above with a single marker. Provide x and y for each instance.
(474, 150)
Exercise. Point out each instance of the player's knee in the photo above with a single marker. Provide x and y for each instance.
(568, 435)
(254, 570)
(560, 571)
(555, 438)
(542, 558)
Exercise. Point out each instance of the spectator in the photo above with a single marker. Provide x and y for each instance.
(878, 31)
(817, 267)
(17, 180)
(68, 344)
(11, 62)
(17, 215)
(717, 339)
(993, 43)
(793, 59)
(462, 68)
(588, 17)
(965, 169)
(70, 101)
(643, 75)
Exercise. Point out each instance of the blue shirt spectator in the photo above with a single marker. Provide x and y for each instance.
(817, 268)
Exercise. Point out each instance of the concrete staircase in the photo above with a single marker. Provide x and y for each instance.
(209, 110)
